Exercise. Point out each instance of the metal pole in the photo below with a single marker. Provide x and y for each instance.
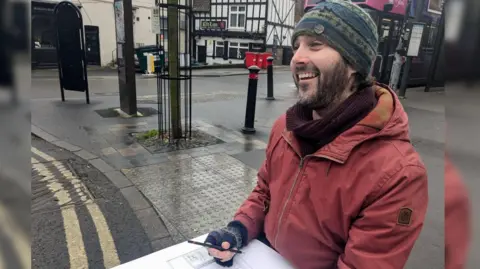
(249, 128)
(436, 51)
(405, 76)
(270, 78)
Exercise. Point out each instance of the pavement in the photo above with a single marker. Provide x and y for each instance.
(197, 190)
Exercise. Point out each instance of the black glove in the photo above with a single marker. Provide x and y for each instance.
(234, 234)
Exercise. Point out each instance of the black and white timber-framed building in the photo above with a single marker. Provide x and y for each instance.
(226, 29)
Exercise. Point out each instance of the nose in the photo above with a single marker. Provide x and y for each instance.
(300, 57)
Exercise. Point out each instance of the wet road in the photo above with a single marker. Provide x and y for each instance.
(79, 219)
(106, 84)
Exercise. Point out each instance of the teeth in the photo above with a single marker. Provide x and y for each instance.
(306, 75)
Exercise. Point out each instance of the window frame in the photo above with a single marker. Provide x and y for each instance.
(236, 13)
(238, 46)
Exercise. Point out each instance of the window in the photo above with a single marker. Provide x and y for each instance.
(237, 17)
(237, 50)
(43, 31)
(164, 28)
(219, 49)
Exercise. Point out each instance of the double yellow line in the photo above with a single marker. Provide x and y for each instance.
(73, 233)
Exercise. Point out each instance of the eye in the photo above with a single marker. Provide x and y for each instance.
(316, 45)
(295, 46)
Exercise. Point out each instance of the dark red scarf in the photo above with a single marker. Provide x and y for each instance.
(314, 134)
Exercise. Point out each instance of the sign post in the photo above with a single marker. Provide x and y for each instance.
(72, 65)
(125, 58)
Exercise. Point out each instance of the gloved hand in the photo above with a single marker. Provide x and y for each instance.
(230, 237)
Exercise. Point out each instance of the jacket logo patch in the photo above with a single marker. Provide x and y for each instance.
(405, 216)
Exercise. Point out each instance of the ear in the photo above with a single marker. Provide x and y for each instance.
(350, 71)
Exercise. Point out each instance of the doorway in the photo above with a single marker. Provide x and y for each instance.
(202, 54)
(92, 44)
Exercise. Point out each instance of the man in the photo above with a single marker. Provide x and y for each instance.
(341, 186)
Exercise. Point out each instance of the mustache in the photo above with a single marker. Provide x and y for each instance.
(306, 69)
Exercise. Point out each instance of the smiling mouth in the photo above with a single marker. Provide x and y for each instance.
(306, 76)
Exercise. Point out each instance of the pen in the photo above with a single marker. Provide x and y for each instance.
(213, 246)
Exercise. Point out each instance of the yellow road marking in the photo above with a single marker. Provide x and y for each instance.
(107, 244)
(73, 234)
(110, 255)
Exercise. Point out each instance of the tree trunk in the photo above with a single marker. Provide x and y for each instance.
(173, 69)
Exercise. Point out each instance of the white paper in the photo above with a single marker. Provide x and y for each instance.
(199, 259)
(189, 256)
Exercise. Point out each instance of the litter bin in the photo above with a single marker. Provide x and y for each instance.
(157, 52)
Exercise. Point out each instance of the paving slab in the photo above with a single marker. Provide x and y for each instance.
(152, 224)
(197, 194)
(135, 198)
(252, 158)
(118, 179)
(101, 165)
(85, 155)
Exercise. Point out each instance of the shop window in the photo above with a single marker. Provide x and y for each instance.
(237, 50)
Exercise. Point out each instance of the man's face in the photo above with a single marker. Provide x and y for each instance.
(319, 72)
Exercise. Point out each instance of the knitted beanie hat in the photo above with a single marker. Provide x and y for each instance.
(347, 28)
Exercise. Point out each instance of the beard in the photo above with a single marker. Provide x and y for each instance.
(331, 85)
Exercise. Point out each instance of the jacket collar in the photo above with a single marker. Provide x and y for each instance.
(387, 119)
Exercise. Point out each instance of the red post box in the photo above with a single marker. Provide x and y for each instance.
(264, 56)
(250, 58)
(260, 60)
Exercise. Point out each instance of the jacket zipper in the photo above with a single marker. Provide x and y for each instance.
(288, 198)
(294, 184)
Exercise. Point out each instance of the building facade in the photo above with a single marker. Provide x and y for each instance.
(226, 29)
(99, 23)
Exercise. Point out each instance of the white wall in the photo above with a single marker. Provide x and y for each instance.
(285, 16)
(100, 13)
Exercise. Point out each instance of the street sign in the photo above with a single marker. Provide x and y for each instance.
(211, 25)
(155, 18)
(415, 41)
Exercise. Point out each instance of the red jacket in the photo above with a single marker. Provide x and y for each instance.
(358, 202)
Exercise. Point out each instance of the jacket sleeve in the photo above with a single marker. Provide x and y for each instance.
(252, 212)
(384, 234)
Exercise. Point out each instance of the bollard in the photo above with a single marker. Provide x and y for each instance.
(270, 78)
(249, 128)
